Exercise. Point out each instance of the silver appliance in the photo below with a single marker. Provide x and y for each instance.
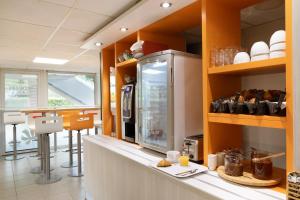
(193, 146)
(128, 112)
(169, 99)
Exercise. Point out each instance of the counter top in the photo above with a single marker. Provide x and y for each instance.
(208, 182)
(56, 109)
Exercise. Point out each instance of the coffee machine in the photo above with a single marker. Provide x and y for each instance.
(128, 112)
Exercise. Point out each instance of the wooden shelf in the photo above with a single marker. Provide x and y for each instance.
(248, 120)
(128, 63)
(257, 67)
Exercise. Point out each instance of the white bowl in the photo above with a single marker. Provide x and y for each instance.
(277, 54)
(259, 48)
(278, 47)
(241, 57)
(260, 57)
(277, 37)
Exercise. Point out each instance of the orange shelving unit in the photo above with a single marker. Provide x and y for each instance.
(225, 80)
(248, 120)
(265, 66)
(221, 131)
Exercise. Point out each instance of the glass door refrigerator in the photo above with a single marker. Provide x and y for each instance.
(169, 99)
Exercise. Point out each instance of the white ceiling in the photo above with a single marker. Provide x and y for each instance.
(53, 28)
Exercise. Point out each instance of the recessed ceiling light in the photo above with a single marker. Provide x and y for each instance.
(166, 5)
(123, 29)
(98, 44)
(51, 61)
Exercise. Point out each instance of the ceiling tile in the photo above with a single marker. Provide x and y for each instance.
(85, 21)
(109, 8)
(32, 11)
(64, 48)
(69, 37)
(24, 32)
(68, 3)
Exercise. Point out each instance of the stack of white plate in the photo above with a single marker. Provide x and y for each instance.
(259, 51)
(278, 44)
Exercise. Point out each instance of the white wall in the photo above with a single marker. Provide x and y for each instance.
(296, 72)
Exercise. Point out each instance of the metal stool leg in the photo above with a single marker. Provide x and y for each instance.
(47, 177)
(15, 155)
(55, 142)
(70, 164)
(78, 172)
(96, 130)
(38, 147)
(39, 169)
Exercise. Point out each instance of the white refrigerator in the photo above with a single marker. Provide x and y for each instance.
(169, 106)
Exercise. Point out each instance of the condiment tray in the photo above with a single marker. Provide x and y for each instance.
(248, 179)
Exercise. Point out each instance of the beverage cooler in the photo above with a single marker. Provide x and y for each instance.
(169, 99)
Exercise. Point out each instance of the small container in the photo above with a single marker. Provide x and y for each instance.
(234, 164)
(262, 169)
(184, 160)
(173, 156)
(220, 158)
(212, 161)
(241, 108)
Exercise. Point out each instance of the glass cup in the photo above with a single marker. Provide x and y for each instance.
(261, 169)
(234, 164)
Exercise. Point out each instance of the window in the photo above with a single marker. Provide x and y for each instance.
(21, 90)
(71, 89)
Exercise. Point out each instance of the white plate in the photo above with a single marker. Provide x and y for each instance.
(177, 168)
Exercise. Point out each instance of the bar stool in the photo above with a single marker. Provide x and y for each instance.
(30, 122)
(43, 127)
(97, 121)
(66, 119)
(79, 122)
(14, 118)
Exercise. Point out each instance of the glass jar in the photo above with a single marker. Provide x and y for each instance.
(261, 169)
(234, 164)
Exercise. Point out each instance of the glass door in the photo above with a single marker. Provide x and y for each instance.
(153, 103)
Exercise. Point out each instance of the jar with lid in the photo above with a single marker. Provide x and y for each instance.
(261, 169)
(234, 164)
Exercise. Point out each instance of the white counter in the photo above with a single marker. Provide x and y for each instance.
(117, 170)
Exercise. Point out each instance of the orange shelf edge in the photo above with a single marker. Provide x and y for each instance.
(128, 63)
(263, 66)
(248, 120)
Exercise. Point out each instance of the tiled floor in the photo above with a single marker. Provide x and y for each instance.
(17, 183)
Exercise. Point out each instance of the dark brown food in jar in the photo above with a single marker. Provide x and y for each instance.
(262, 169)
(233, 164)
(234, 169)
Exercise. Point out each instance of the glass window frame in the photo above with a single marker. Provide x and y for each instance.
(96, 83)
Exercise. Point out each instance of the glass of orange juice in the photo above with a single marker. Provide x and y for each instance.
(184, 160)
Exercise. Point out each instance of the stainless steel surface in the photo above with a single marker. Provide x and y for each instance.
(70, 164)
(78, 172)
(55, 142)
(15, 156)
(191, 147)
(43, 180)
(46, 177)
